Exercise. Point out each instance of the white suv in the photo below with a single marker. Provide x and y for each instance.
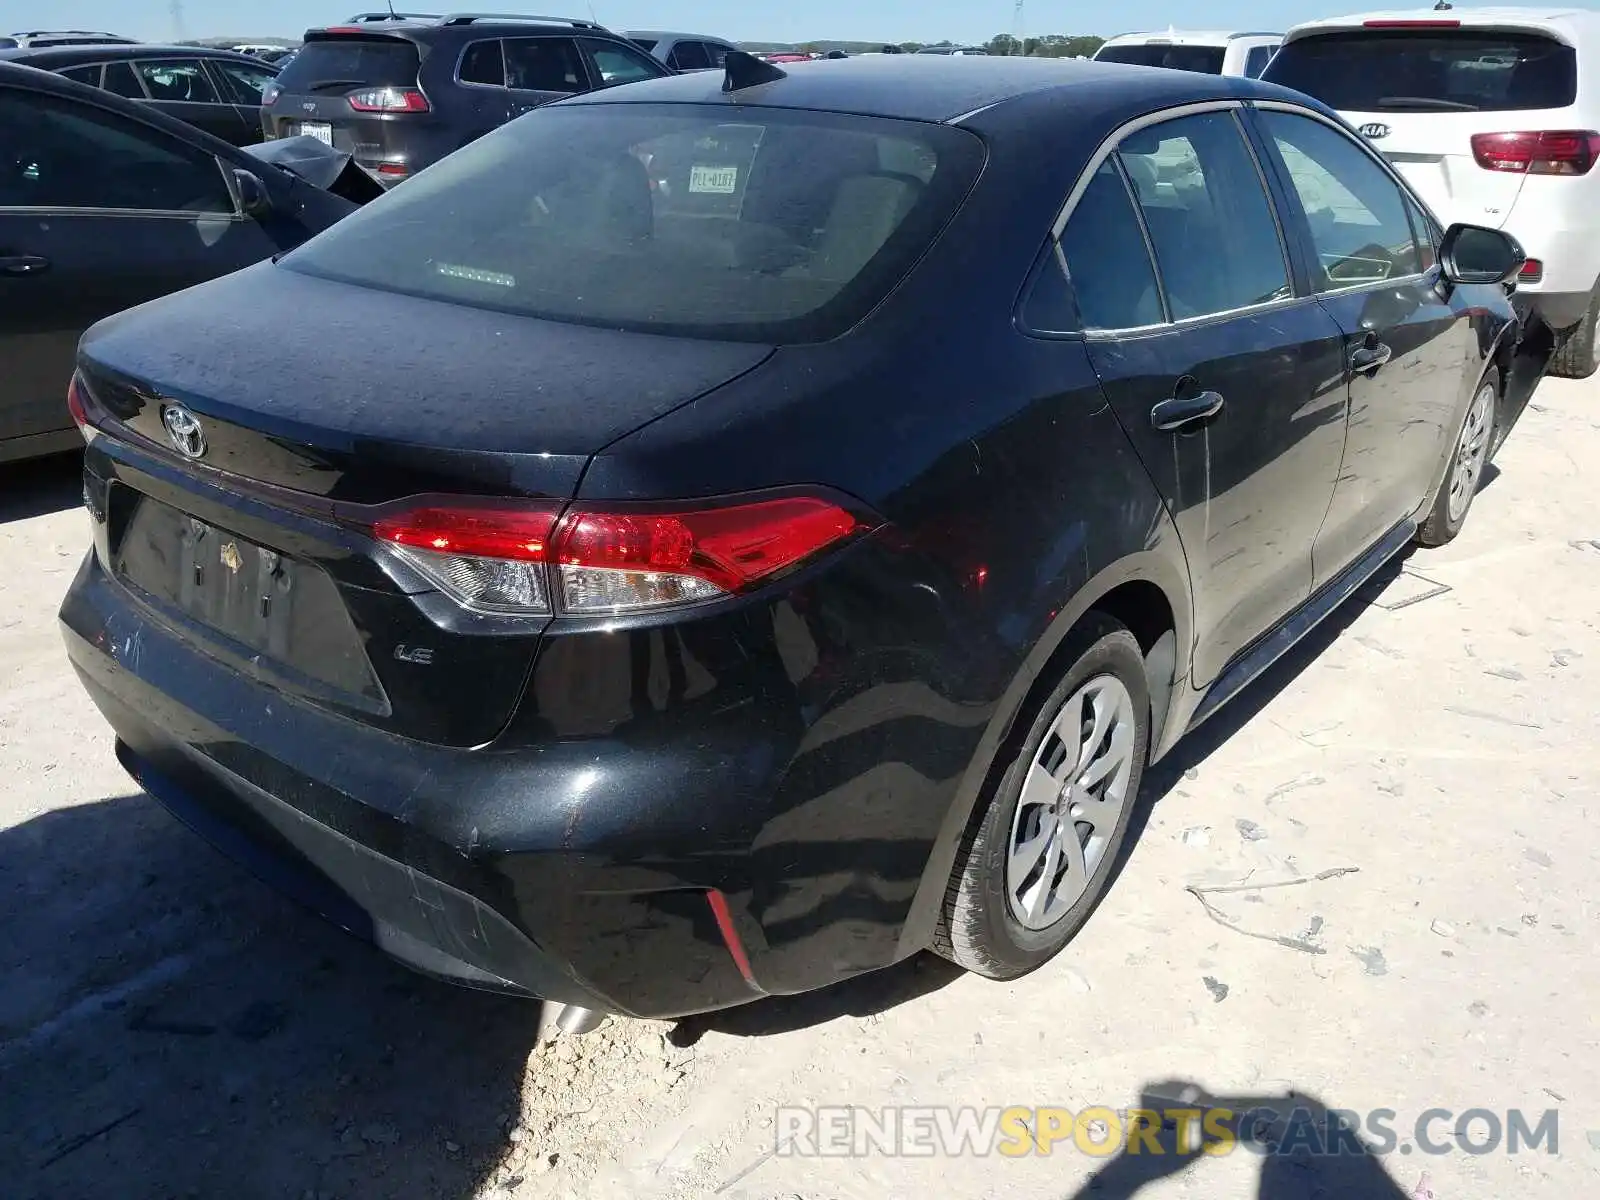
(1208, 51)
(1493, 115)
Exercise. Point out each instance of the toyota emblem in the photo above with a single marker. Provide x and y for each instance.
(184, 431)
(1374, 130)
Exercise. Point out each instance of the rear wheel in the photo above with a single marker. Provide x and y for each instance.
(1468, 456)
(1036, 860)
(1576, 359)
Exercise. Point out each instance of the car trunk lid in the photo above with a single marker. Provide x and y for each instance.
(312, 95)
(316, 416)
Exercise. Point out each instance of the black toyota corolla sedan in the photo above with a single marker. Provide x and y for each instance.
(713, 537)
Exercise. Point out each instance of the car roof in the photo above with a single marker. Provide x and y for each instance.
(467, 26)
(1568, 24)
(1192, 37)
(932, 87)
(677, 35)
(48, 56)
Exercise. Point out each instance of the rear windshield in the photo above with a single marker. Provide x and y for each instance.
(1205, 59)
(646, 44)
(347, 62)
(769, 225)
(1429, 70)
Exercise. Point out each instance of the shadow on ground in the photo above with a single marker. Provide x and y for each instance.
(169, 1027)
(1306, 1149)
(40, 486)
(177, 1029)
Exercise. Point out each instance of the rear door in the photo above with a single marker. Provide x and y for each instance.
(689, 55)
(613, 64)
(1419, 90)
(1226, 377)
(543, 69)
(243, 85)
(481, 74)
(89, 74)
(183, 88)
(98, 213)
(1409, 345)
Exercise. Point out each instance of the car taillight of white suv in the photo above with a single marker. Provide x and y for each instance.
(1493, 116)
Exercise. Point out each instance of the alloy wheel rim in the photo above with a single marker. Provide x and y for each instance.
(1071, 803)
(1472, 452)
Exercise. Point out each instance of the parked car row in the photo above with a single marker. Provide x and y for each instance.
(652, 562)
(219, 91)
(399, 95)
(105, 203)
(1492, 114)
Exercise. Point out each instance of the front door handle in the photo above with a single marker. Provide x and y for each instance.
(23, 264)
(1185, 412)
(1370, 357)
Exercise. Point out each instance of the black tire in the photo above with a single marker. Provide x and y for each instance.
(976, 929)
(1439, 527)
(1576, 358)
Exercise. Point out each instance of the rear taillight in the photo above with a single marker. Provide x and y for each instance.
(270, 94)
(1532, 271)
(393, 170)
(79, 410)
(522, 560)
(1551, 152)
(388, 99)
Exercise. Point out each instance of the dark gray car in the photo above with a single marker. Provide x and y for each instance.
(104, 204)
(216, 90)
(402, 94)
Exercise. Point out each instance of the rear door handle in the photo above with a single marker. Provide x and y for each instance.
(1183, 412)
(23, 264)
(1370, 358)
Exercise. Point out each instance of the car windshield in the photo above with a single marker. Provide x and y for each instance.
(1429, 70)
(774, 225)
(349, 61)
(1205, 59)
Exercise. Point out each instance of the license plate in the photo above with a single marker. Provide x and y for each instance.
(275, 608)
(320, 130)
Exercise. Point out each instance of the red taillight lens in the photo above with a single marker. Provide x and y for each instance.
(270, 94)
(1532, 271)
(518, 533)
(1551, 152)
(488, 558)
(388, 99)
(80, 415)
(621, 561)
(393, 169)
(493, 558)
(79, 409)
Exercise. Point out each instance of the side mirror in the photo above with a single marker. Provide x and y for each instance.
(1473, 254)
(254, 198)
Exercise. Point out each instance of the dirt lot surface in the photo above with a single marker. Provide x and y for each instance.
(169, 1027)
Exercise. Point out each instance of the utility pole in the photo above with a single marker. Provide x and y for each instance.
(178, 30)
(1016, 28)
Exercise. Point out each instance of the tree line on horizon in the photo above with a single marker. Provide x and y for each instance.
(1050, 45)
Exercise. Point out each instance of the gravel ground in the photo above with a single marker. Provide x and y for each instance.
(168, 1027)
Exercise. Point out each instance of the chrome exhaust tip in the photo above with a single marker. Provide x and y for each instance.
(569, 1019)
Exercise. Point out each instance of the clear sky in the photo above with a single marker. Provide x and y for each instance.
(863, 20)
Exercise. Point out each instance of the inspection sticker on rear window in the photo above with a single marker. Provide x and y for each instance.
(720, 181)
